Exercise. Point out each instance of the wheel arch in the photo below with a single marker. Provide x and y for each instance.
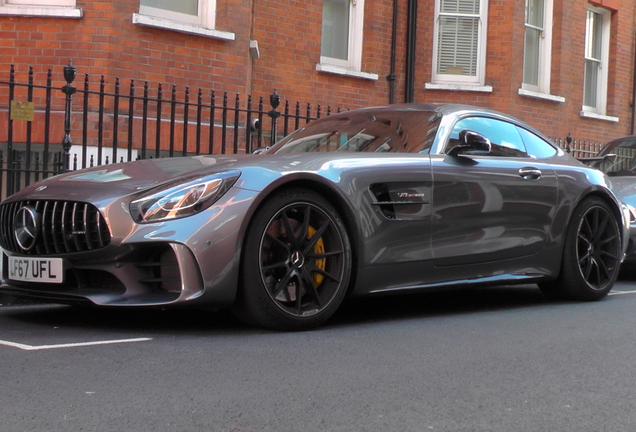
(617, 209)
(335, 198)
(609, 200)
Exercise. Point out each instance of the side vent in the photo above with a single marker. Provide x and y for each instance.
(402, 200)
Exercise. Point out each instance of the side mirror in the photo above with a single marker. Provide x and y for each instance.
(260, 150)
(471, 141)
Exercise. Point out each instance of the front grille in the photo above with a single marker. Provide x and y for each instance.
(65, 227)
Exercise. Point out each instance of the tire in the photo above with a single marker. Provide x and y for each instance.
(591, 254)
(296, 263)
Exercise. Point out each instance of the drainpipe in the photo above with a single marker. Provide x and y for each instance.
(633, 93)
(391, 77)
(410, 50)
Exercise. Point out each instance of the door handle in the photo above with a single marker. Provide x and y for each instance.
(530, 173)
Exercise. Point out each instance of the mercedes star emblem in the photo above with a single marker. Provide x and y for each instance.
(26, 227)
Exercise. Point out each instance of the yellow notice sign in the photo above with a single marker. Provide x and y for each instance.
(22, 110)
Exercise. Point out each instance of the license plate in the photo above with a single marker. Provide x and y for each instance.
(43, 270)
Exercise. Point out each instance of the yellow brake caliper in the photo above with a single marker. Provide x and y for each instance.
(319, 248)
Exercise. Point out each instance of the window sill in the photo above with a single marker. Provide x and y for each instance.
(596, 116)
(539, 95)
(43, 11)
(321, 67)
(459, 87)
(149, 21)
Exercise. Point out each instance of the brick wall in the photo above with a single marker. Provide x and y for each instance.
(106, 42)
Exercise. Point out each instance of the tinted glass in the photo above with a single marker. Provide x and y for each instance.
(625, 161)
(397, 131)
(503, 136)
(535, 145)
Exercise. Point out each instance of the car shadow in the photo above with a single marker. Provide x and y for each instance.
(455, 301)
(355, 311)
(628, 272)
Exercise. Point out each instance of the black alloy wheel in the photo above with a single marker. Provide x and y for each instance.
(598, 247)
(296, 263)
(591, 257)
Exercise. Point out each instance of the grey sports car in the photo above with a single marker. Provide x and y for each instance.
(369, 201)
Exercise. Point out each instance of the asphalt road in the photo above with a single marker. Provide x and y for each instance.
(486, 359)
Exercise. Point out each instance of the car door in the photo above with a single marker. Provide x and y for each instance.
(490, 207)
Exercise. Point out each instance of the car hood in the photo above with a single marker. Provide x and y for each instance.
(107, 182)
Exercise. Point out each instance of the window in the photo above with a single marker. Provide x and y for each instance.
(195, 12)
(460, 41)
(341, 43)
(55, 8)
(40, 2)
(504, 137)
(537, 46)
(596, 60)
(188, 16)
(535, 146)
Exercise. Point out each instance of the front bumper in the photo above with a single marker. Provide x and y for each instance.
(134, 275)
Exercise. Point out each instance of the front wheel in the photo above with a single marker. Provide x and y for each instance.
(296, 263)
(591, 256)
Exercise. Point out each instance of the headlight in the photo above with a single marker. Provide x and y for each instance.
(188, 197)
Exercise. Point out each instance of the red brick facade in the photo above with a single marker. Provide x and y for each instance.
(104, 41)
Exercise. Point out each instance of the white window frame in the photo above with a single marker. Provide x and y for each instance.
(202, 25)
(545, 53)
(39, 2)
(356, 22)
(52, 8)
(601, 90)
(205, 19)
(478, 79)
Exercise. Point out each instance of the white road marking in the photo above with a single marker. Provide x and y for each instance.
(621, 292)
(70, 345)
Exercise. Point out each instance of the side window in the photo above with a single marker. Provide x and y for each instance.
(503, 136)
(535, 145)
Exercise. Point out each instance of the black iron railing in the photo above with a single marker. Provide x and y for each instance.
(100, 122)
(111, 122)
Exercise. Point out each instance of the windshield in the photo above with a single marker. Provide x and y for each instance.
(366, 131)
(624, 161)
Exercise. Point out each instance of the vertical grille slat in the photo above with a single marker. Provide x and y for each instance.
(66, 227)
(66, 231)
(98, 227)
(40, 208)
(87, 233)
(74, 227)
(46, 233)
(55, 232)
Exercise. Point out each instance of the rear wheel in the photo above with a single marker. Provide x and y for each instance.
(591, 256)
(296, 263)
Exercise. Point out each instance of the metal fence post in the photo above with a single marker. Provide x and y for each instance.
(274, 100)
(68, 90)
